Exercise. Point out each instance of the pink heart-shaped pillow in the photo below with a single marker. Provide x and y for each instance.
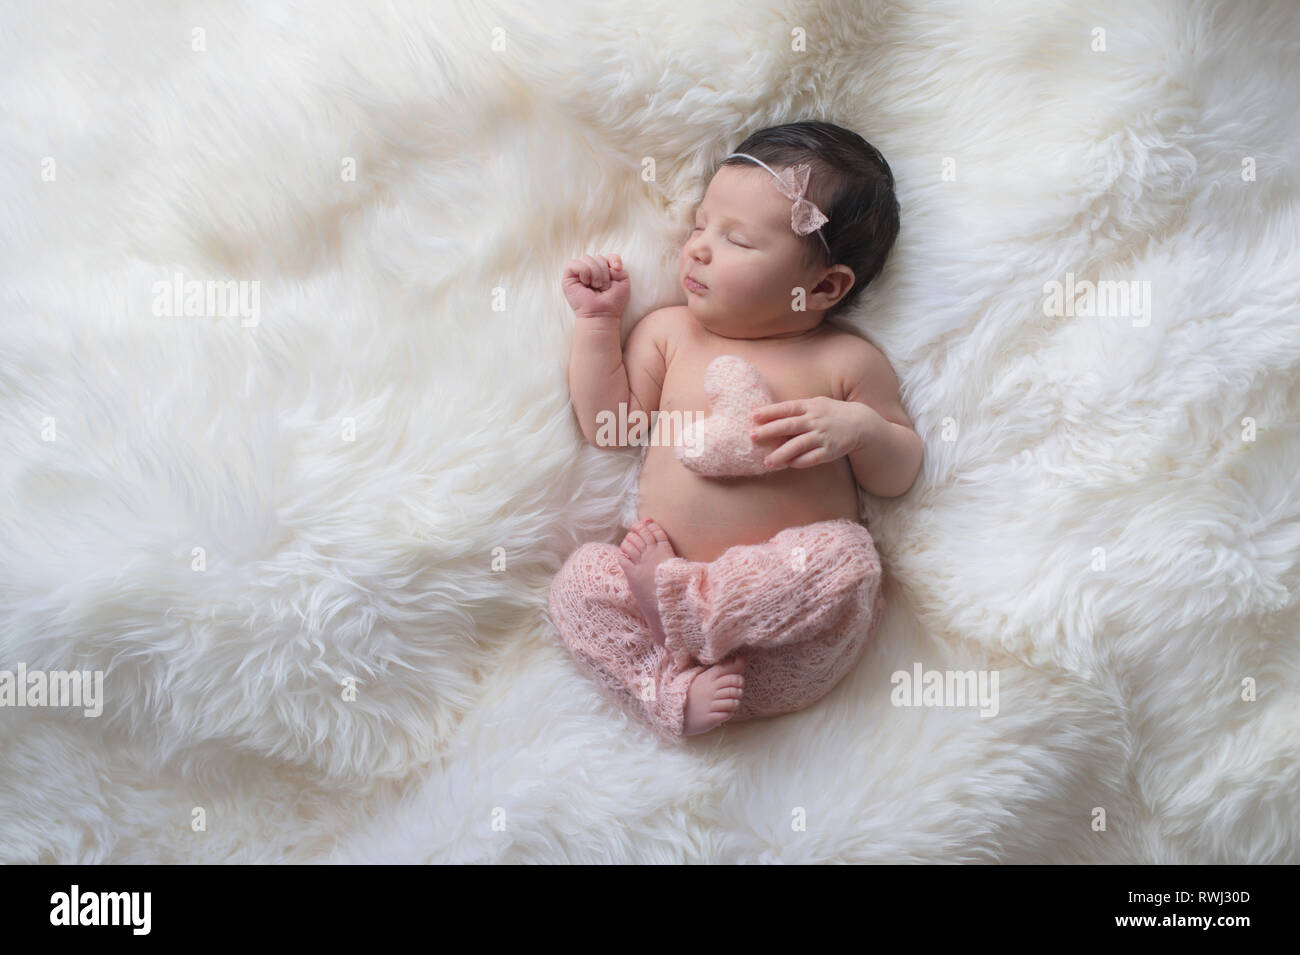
(719, 445)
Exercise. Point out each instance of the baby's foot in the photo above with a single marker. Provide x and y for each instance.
(644, 548)
(714, 696)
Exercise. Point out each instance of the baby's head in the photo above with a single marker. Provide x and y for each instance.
(747, 253)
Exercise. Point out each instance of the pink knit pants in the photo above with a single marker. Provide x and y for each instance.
(801, 606)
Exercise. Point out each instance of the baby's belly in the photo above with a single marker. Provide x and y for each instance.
(703, 516)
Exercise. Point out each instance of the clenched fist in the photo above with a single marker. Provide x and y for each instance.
(596, 286)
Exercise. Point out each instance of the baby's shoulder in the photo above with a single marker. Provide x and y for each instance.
(671, 328)
(663, 324)
(861, 372)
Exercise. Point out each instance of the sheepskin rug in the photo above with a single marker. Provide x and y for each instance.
(290, 459)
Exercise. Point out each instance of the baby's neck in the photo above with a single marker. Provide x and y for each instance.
(806, 333)
(798, 336)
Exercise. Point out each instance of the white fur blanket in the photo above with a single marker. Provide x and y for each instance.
(305, 532)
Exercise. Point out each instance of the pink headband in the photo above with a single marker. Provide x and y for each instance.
(805, 217)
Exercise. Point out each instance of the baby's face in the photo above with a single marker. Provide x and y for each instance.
(746, 254)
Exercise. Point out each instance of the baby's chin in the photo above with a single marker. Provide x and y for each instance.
(727, 326)
(707, 315)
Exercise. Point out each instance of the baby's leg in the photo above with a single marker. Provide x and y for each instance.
(645, 547)
(791, 677)
(804, 584)
(596, 614)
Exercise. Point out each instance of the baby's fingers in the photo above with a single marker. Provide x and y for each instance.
(579, 269)
(611, 268)
(792, 449)
(599, 271)
(781, 427)
(781, 409)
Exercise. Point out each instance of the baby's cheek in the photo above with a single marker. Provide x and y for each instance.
(766, 288)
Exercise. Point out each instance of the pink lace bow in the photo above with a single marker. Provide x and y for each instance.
(805, 217)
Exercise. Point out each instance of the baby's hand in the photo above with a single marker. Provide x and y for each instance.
(819, 429)
(596, 286)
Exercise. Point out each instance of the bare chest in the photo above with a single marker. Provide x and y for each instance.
(787, 372)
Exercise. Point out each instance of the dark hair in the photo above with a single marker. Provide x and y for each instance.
(850, 182)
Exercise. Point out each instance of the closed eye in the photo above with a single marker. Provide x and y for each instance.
(729, 238)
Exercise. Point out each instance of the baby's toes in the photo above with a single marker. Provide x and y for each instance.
(725, 704)
(727, 692)
(733, 684)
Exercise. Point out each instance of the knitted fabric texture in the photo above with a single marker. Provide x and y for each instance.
(719, 445)
(802, 606)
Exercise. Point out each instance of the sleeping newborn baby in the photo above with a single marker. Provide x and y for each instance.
(749, 586)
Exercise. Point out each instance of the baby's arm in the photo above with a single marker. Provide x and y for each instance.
(602, 374)
(646, 358)
(597, 380)
(636, 379)
(890, 459)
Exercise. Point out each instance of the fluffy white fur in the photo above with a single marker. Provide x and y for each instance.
(473, 736)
